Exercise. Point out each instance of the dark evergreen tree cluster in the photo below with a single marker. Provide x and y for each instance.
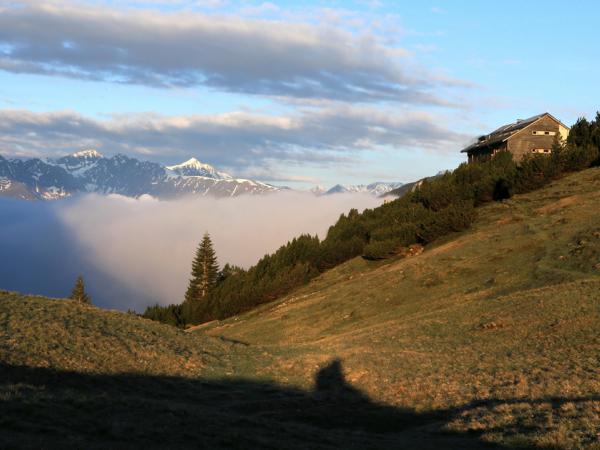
(437, 207)
(585, 133)
(171, 314)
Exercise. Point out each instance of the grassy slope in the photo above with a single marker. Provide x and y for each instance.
(507, 313)
(75, 376)
(40, 332)
(491, 336)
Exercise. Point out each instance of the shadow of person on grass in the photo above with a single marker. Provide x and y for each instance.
(46, 408)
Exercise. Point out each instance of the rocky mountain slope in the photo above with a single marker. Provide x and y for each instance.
(89, 171)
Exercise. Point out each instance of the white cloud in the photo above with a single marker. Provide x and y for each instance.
(147, 246)
(334, 133)
(187, 49)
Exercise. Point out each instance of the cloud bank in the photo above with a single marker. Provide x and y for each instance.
(189, 49)
(237, 140)
(133, 253)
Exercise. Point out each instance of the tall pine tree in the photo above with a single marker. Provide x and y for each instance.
(78, 294)
(205, 271)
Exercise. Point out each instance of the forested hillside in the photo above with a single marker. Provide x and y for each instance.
(438, 207)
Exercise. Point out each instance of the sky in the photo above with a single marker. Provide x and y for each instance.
(292, 93)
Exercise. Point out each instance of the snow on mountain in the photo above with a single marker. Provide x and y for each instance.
(79, 162)
(5, 184)
(53, 193)
(90, 171)
(196, 185)
(87, 154)
(381, 188)
(378, 188)
(194, 168)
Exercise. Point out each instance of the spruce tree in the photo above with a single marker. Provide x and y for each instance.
(580, 134)
(78, 294)
(205, 271)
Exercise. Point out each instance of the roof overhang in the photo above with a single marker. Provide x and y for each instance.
(483, 146)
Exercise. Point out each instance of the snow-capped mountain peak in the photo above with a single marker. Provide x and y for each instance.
(195, 168)
(191, 163)
(79, 162)
(87, 154)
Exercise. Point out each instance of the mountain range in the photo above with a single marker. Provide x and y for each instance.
(88, 171)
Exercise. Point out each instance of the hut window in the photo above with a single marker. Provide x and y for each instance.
(543, 132)
(541, 150)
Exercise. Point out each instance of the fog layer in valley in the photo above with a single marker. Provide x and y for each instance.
(136, 252)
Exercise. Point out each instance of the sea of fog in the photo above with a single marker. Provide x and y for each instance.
(137, 252)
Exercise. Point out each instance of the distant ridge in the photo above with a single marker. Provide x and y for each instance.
(378, 188)
(88, 171)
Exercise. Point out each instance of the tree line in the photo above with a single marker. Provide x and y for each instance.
(437, 207)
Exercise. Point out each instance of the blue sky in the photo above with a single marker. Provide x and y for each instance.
(325, 92)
